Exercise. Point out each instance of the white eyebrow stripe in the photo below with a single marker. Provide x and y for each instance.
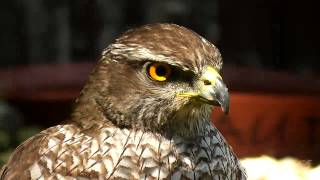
(139, 53)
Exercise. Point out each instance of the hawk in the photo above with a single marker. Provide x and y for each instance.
(145, 113)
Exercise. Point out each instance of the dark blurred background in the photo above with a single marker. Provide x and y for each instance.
(278, 35)
(270, 50)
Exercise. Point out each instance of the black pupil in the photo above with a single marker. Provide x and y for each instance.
(161, 71)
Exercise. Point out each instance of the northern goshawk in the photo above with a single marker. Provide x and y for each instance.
(145, 113)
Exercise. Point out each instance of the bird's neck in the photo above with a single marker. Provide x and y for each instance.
(190, 124)
(191, 121)
(86, 111)
(92, 109)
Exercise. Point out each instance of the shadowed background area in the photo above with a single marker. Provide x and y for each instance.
(270, 51)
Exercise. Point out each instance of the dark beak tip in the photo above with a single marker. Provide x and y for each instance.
(223, 105)
(224, 102)
(225, 109)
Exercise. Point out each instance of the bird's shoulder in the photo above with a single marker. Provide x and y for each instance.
(24, 155)
(110, 152)
(100, 151)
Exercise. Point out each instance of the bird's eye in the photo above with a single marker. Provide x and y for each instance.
(159, 71)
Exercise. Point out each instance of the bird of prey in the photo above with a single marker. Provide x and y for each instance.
(145, 113)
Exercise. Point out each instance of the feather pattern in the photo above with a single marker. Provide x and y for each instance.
(114, 153)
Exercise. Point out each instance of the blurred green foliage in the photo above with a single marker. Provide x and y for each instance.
(9, 143)
(12, 130)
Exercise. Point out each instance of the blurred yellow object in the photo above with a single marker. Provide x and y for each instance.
(268, 168)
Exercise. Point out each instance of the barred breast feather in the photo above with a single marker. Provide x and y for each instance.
(114, 153)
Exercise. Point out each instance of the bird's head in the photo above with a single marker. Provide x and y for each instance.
(160, 77)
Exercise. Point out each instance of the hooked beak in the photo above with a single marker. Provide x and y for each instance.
(211, 90)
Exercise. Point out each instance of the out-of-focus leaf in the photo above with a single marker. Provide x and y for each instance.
(4, 140)
(4, 156)
(26, 132)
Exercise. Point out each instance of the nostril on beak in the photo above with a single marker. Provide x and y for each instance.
(206, 82)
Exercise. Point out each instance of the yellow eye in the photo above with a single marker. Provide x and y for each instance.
(159, 71)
